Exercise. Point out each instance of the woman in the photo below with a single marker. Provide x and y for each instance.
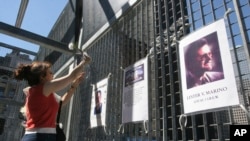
(42, 103)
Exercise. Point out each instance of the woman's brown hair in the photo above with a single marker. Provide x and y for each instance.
(32, 72)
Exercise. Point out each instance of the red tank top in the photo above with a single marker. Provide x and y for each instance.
(41, 110)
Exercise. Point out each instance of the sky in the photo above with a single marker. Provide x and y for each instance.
(39, 18)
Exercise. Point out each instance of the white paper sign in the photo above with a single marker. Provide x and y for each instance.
(216, 88)
(135, 92)
(98, 104)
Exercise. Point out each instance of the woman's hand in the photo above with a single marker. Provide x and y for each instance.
(66, 97)
(78, 80)
(86, 58)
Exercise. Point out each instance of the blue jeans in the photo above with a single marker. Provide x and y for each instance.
(39, 137)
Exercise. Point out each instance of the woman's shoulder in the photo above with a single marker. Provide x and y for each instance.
(32, 89)
(26, 90)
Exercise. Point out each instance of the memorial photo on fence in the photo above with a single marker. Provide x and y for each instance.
(135, 92)
(203, 61)
(207, 72)
(99, 103)
(134, 75)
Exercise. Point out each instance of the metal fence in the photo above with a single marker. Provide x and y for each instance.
(154, 26)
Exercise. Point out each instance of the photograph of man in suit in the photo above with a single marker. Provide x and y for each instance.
(98, 102)
(203, 61)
